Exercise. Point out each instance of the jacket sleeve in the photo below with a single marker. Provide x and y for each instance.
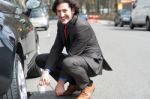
(81, 37)
(55, 50)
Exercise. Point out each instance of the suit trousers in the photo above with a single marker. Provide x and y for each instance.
(75, 68)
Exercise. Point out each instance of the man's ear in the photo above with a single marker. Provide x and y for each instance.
(73, 11)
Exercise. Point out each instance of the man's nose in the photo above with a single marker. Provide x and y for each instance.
(62, 14)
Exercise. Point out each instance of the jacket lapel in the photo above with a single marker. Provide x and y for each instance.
(61, 31)
(70, 32)
(71, 28)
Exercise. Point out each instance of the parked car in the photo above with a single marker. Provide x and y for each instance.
(122, 17)
(39, 18)
(84, 16)
(18, 49)
(140, 15)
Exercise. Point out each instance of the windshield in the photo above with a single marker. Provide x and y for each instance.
(37, 13)
(125, 12)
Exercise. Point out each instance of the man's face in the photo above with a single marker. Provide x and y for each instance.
(64, 13)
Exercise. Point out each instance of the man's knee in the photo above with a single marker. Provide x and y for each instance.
(40, 60)
(37, 58)
(68, 62)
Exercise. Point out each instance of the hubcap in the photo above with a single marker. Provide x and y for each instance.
(21, 82)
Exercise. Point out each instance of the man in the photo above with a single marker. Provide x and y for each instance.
(84, 58)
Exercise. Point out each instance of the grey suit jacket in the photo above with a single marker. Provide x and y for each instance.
(81, 41)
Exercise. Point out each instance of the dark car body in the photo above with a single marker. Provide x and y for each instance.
(122, 17)
(18, 49)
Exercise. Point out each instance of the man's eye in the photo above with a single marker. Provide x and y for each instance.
(58, 11)
(64, 10)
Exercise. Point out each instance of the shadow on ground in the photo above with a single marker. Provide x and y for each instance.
(50, 95)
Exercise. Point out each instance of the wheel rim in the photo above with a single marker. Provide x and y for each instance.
(21, 82)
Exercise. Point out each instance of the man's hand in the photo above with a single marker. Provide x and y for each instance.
(44, 79)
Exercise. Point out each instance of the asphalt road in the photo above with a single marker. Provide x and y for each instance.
(127, 51)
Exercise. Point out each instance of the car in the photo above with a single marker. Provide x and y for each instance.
(19, 43)
(140, 16)
(122, 17)
(84, 16)
(39, 18)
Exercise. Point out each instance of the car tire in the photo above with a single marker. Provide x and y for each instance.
(148, 24)
(115, 24)
(18, 89)
(132, 25)
(121, 24)
(46, 28)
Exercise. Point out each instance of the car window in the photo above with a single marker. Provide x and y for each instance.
(36, 13)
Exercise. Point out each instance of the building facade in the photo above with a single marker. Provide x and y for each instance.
(106, 8)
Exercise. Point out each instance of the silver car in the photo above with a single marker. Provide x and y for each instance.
(39, 18)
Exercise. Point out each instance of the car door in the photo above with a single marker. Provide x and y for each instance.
(142, 11)
(28, 37)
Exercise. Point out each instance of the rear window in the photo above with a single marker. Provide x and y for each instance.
(37, 13)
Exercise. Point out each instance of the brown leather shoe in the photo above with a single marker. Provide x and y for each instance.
(70, 90)
(86, 93)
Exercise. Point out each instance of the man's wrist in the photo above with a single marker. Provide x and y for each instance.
(47, 70)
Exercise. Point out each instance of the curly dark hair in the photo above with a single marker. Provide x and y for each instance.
(73, 4)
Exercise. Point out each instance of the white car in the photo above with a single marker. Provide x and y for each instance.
(39, 18)
(140, 15)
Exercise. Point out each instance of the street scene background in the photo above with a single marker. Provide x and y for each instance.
(122, 28)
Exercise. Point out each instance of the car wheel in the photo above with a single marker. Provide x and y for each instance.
(46, 28)
(121, 24)
(131, 25)
(148, 24)
(18, 88)
(115, 24)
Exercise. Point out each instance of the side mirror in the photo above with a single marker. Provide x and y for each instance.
(31, 4)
